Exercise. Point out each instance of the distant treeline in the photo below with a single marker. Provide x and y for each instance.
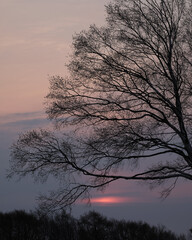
(20, 225)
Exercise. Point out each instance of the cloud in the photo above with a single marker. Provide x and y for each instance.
(22, 194)
(12, 125)
(20, 117)
(112, 200)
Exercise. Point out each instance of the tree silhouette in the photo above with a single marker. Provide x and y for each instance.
(126, 101)
(19, 225)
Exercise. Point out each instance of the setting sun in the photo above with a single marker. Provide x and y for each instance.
(111, 200)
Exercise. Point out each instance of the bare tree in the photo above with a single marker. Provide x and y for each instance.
(127, 101)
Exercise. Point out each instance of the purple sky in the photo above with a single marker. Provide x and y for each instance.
(35, 41)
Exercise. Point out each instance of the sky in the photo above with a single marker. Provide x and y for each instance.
(35, 43)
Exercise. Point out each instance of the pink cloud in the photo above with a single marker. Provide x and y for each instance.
(111, 200)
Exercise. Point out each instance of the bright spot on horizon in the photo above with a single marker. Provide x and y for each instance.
(111, 200)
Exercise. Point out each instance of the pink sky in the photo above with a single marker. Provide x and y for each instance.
(35, 41)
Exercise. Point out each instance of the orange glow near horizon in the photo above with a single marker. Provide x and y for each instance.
(111, 200)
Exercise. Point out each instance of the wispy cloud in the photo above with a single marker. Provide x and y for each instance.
(19, 117)
(113, 200)
(14, 124)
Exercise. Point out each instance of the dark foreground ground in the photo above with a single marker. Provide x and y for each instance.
(19, 225)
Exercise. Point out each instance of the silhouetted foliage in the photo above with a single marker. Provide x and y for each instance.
(95, 225)
(127, 100)
(19, 225)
